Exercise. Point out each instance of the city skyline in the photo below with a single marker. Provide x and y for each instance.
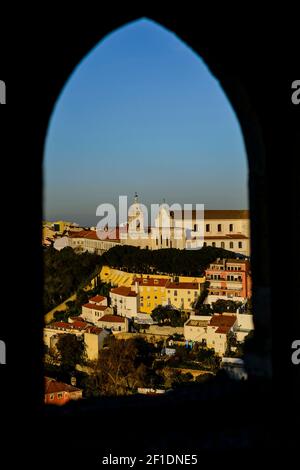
(142, 112)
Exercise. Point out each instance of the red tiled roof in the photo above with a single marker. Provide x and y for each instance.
(213, 214)
(110, 234)
(97, 298)
(148, 281)
(222, 320)
(52, 386)
(182, 285)
(224, 330)
(78, 234)
(96, 307)
(95, 330)
(123, 290)
(77, 325)
(112, 319)
(233, 236)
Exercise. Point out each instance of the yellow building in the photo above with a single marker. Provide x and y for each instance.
(152, 292)
(182, 295)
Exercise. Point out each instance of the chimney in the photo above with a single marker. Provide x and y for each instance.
(73, 381)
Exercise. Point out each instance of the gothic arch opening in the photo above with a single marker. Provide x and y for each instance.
(259, 358)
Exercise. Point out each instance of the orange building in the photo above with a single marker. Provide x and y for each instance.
(59, 393)
(229, 279)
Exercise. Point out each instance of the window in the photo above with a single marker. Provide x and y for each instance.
(195, 227)
(240, 245)
(231, 245)
(156, 241)
(207, 227)
(175, 293)
(219, 227)
(60, 395)
(52, 396)
(167, 241)
(213, 244)
(222, 245)
(204, 244)
(230, 227)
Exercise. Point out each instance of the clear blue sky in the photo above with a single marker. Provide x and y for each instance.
(142, 112)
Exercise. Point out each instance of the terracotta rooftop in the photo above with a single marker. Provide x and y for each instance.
(150, 281)
(123, 290)
(218, 214)
(110, 234)
(223, 320)
(52, 386)
(101, 308)
(224, 330)
(95, 330)
(233, 236)
(112, 319)
(76, 325)
(75, 318)
(97, 298)
(182, 285)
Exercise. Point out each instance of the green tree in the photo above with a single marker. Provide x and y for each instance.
(221, 306)
(71, 351)
(167, 315)
(64, 272)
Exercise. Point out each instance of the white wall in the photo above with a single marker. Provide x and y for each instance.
(126, 306)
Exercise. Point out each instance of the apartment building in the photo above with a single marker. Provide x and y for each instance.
(115, 323)
(228, 229)
(228, 279)
(151, 290)
(182, 295)
(92, 336)
(125, 301)
(95, 309)
(211, 332)
(91, 241)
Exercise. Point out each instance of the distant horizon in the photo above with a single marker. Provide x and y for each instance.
(142, 112)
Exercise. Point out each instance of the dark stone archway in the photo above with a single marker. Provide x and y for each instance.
(255, 71)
